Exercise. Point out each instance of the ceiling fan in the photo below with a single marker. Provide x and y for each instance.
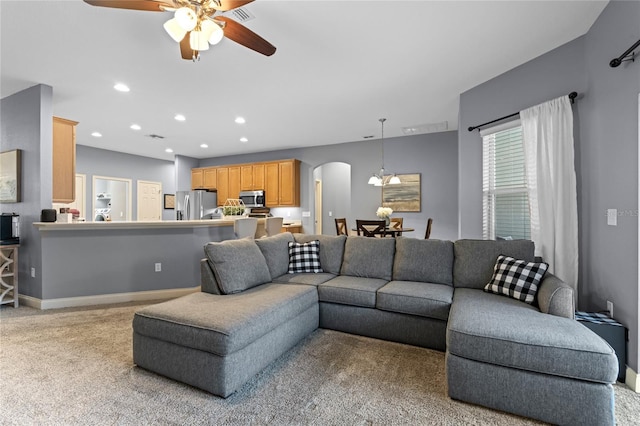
(195, 24)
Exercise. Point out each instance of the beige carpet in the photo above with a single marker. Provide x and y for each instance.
(74, 366)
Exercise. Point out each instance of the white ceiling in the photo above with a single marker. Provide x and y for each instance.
(339, 67)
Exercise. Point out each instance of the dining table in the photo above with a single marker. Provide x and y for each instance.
(390, 231)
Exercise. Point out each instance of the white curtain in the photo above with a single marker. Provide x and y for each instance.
(547, 131)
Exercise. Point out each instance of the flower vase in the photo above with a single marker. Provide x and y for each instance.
(387, 221)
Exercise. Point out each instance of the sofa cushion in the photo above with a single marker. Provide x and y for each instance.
(423, 260)
(304, 257)
(368, 257)
(503, 331)
(237, 265)
(346, 290)
(223, 325)
(331, 250)
(304, 278)
(474, 259)
(416, 298)
(275, 251)
(516, 278)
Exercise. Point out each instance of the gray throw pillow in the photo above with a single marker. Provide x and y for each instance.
(237, 265)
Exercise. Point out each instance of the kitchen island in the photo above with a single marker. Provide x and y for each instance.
(88, 263)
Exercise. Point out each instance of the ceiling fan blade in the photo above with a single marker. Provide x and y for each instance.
(148, 5)
(229, 4)
(244, 36)
(185, 48)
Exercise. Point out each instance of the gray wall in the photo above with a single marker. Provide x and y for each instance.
(434, 156)
(26, 124)
(101, 162)
(606, 147)
(336, 194)
(609, 162)
(183, 166)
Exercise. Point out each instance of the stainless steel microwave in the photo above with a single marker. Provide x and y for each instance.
(252, 198)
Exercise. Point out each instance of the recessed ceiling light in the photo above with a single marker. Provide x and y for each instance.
(204, 145)
(135, 127)
(180, 117)
(169, 150)
(240, 120)
(244, 140)
(121, 87)
(96, 134)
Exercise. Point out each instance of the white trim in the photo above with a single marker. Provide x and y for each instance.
(104, 299)
(632, 380)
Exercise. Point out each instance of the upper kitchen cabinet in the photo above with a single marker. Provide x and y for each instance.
(210, 178)
(64, 160)
(197, 178)
(222, 184)
(234, 182)
(282, 183)
(252, 177)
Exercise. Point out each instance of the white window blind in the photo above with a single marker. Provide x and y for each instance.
(505, 200)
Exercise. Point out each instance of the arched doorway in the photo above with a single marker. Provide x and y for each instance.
(332, 198)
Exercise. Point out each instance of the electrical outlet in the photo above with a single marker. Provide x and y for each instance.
(158, 267)
(33, 272)
(610, 308)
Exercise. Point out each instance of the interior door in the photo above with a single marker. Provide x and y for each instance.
(149, 201)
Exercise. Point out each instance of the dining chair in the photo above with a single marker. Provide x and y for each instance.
(396, 223)
(427, 234)
(273, 225)
(371, 228)
(341, 226)
(245, 227)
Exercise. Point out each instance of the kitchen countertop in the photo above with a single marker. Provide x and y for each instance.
(77, 226)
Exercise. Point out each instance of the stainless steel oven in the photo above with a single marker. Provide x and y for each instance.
(252, 198)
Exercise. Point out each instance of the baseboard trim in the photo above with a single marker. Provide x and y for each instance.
(632, 380)
(104, 299)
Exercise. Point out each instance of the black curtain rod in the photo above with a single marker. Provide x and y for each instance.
(620, 59)
(572, 97)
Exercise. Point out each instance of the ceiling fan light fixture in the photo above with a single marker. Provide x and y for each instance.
(198, 41)
(175, 31)
(212, 31)
(186, 18)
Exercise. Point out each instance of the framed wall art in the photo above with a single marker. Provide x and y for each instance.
(169, 201)
(10, 176)
(405, 196)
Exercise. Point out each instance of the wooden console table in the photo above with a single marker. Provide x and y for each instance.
(9, 275)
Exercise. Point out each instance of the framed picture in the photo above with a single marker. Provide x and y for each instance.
(169, 201)
(405, 196)
(10, 176)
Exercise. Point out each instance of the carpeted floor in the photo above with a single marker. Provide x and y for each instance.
(74, 366)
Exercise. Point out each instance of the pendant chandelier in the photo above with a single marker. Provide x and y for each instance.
(380, 179)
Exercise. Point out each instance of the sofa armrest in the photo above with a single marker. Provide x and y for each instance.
(208, 281)
(555, 297)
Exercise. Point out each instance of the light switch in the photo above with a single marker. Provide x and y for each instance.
(330, 214)
(612, 217)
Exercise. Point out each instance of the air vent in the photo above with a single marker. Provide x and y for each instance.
(154, 136)
(426, 128)
(241, 15)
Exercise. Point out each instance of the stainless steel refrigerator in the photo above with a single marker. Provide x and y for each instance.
(195, 205)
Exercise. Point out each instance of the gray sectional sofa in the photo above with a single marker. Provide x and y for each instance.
(534, 360)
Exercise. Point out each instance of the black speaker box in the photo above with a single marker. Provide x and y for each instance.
(48, 215)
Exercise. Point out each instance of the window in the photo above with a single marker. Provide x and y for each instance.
(504, 188)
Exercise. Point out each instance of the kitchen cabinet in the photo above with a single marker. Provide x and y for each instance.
(210, 178)
(271, 183)
(64, 160)
(197, 178)
(279, 179)
(234, 182)
(222, 178)
(252, 177)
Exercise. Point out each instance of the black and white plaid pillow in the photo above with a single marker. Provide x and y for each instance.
(304, 257)
(516, 278)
